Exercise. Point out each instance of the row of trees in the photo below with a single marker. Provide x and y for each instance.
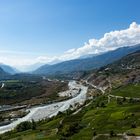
(26, 126)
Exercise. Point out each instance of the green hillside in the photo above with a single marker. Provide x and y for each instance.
(99, 117)
(130, 90)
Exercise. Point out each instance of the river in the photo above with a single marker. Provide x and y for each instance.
(41, 112)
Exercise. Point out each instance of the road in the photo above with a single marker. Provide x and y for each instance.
(121, 97)
(94, 86)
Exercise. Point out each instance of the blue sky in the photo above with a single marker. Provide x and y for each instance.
(34, 28)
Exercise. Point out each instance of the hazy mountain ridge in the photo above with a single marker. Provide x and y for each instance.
(2, 72)
(87, 63)
(9, 69)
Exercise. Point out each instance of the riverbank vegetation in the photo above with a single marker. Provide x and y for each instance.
(99, 117)
(30, 92)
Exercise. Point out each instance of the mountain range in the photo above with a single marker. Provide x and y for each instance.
(2, 72)
(8, 69)
(82, 64)
(88, 63)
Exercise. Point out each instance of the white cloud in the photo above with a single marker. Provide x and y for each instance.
(110, 41)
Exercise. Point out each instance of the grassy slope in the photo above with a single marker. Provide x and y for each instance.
(113, 117)
(130, 90)
(118, 118)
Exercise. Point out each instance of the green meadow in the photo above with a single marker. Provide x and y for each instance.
(99, 117)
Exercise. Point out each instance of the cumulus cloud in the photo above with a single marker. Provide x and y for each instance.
(110, 41)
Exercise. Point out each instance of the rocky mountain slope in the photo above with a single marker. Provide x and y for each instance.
(121, 72)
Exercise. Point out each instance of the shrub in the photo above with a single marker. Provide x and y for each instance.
(69, 129)
(102, 104)
(130, 134)
(33, 125)
(24, 126)
(133, 125)
(94, 133)
(119, 101)
(112, 133)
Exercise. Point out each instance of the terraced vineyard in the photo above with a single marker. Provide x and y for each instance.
(130, 90)
(98, 118)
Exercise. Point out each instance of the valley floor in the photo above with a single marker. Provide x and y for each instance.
(38, 113)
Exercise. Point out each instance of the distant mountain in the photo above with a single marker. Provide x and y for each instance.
(8, 69)
(87, 63)
(88, 56)
(2, 73)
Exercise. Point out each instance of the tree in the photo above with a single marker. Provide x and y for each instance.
(94, 133)
(119, 101)
(69, 129)
(112, 133)
(24, 126)
(131, 100)
(102, 104)
(133, 125)
(124, 99)
(33, 125)
(66, 130)
(1, 119)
